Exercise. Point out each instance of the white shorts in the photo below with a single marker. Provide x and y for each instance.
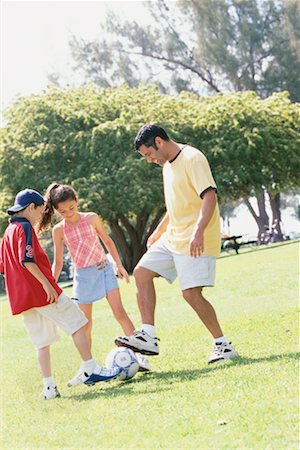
(42, 322)
(191, 272)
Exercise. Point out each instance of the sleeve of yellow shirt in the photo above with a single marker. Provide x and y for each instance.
(200, 173)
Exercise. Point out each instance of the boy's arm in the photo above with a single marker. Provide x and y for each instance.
(57, 235)
(52, 295)
(1, 259)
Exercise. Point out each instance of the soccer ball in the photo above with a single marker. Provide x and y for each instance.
(125, 359)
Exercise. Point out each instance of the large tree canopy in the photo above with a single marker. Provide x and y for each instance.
(85, 137)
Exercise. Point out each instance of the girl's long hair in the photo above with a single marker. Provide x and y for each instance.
(55, 194)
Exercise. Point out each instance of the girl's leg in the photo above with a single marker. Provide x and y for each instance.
(115, 302)
(44, 361)
(87, 310)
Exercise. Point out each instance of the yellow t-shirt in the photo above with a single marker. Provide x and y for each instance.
(185, 179)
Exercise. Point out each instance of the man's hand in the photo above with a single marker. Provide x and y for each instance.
(52, 295)
(197, 244)
(122, 273)
(151, 239)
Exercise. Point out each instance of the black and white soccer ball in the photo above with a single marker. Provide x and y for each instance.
(124, 358)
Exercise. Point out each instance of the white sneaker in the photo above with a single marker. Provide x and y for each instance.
(143, 362)
(50, 392)
(139, 341)
(221, 352)
(79, 378)
(101, 373)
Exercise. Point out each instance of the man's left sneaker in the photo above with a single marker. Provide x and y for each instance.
(221, 352)
(101, 373)
(144, 365)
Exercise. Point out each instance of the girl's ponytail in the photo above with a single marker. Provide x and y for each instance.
(48, 213)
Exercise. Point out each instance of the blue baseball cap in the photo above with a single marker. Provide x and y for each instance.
(24, 198)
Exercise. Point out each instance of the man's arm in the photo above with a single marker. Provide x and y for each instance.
(207, 210)
(159, 230)
(52, 295)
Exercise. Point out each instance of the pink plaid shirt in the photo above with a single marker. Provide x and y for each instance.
(83, 243)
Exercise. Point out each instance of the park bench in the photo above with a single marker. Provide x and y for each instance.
(233, 242)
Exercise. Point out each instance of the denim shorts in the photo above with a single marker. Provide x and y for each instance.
(94, 282)
(191, 272)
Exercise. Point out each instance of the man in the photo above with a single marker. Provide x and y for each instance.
(185, 243)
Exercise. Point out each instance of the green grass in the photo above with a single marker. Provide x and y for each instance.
(248, 403)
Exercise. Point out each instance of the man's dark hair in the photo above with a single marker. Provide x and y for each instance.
(147, 134)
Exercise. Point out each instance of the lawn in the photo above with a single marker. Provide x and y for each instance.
(249, 403)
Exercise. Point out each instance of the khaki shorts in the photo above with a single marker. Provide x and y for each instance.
(42, 323)
(191, 272)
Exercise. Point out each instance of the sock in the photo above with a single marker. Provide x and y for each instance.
(149, 329)
(89, 366)
(221, 340)
(48, 382)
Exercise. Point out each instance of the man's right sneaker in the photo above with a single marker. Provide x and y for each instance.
(139, 341)
(102, 374)
(50, 392)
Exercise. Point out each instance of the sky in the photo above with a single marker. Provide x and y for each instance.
(35, 36)
(34, 43)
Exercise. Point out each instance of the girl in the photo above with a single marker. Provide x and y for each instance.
(94, 277)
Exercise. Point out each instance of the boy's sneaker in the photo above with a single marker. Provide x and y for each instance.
(144, 365)
(140, 342)
(102, 374)
(50, 392)
(221, 352)
(79, 378)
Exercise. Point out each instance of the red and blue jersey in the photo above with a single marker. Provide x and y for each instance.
(19, 245)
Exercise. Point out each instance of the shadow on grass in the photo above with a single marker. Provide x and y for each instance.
(166, 379)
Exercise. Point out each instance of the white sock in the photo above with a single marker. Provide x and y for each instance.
(48, 382)
(149, 329)
(89, 366)
(221, 340)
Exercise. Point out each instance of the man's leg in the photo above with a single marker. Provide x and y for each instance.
(143, 341)
(204, 310)
(222, 348)
(145, 293)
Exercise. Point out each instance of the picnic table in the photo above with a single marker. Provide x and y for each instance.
(228, 241)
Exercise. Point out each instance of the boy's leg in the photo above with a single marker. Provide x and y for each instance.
(44, 361)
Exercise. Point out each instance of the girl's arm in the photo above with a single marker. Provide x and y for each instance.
(109, 244)
(58, 260)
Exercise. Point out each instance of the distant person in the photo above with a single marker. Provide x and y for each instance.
(33, 292)
(94, 276)
(186, 242)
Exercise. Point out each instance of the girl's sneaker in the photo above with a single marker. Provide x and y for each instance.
(50, 392)
(143, 363)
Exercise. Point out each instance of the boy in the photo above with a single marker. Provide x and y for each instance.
(33, 292)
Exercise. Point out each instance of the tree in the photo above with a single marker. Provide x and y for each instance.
(84, 137)
(203, 46)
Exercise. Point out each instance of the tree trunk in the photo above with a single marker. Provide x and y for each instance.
(131, 238)
(277, 235)
(262, 218)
